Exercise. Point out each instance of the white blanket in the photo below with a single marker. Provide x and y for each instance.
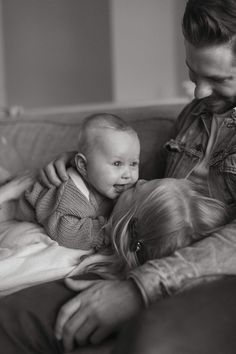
(29, 257)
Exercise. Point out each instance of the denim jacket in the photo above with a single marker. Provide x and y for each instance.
(216, 254)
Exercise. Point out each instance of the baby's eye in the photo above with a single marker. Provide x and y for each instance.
(117, 163)
(134, 163)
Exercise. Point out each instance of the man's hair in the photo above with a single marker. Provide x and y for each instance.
(95, 122)
(209, 22)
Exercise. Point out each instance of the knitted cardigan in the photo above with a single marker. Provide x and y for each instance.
(65, 213)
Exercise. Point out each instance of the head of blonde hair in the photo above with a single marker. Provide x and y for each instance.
(169, 215)
(153, 222)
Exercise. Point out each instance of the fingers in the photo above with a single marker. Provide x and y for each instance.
(26, 181)
(61, 163)
(72, 325)
(71, 328)
(100, 334)
(60, 166)
(64, 315)
(55, 172)
(94, 313)
(79, 285)
(48, 176)
(84, 330)
(72, 306)
(42, 176)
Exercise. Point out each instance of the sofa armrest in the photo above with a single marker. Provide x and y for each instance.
(200, 320)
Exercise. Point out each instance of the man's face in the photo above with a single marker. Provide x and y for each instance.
(213, 71)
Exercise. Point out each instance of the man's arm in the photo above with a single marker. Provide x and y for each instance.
(96, 312)
(103, 306)
(215, 255)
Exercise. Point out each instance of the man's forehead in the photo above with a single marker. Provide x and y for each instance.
(210, 61)
(210, 72)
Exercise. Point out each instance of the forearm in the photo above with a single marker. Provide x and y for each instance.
(4, 194)
(8, 210)
(212, 256)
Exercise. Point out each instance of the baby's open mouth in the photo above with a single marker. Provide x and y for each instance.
(119, 188)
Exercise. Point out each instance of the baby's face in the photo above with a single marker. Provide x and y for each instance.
(113, 164)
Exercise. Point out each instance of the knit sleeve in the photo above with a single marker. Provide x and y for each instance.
(74, 231)
(69, 218)
(26, 204)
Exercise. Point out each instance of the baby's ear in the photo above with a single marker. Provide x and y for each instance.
(81, 164)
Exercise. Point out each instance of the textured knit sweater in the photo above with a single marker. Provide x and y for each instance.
(65, 213)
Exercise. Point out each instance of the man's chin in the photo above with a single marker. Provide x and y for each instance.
(219, 105)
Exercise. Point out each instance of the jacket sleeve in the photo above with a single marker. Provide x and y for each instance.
(215, 255)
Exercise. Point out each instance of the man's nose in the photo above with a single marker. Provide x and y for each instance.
(203, 89)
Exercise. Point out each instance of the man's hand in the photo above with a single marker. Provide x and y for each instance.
(100, 309)
(55, 172)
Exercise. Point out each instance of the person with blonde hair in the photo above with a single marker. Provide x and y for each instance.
(152, 220)
(158, 217)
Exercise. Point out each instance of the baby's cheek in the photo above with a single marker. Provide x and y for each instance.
(136, 176)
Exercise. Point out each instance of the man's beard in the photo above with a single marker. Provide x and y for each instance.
(219, 104)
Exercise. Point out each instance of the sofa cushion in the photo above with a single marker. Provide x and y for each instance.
(27, 143)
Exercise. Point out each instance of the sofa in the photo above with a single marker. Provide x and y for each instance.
(31, 138)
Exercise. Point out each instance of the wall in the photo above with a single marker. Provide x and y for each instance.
(66, 52)
(2, 73)
(148, 52)
(57, 52)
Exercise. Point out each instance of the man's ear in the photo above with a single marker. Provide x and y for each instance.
(81, 164)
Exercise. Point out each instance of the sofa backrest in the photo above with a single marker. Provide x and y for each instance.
(33, 138)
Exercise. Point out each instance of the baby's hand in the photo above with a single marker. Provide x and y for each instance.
(14, 188)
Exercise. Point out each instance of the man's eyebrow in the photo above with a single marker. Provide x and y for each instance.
(211, 77)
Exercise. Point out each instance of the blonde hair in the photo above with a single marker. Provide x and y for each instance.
(170, 216)
(154, 222)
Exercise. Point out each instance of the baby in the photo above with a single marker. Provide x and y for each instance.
(107, 163)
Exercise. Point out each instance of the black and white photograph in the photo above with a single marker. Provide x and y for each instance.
(117, 176)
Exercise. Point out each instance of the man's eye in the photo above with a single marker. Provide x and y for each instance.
(220, 81)
(117, 163)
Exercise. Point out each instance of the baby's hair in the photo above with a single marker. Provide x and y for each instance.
(169, 215)
(99, 121)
